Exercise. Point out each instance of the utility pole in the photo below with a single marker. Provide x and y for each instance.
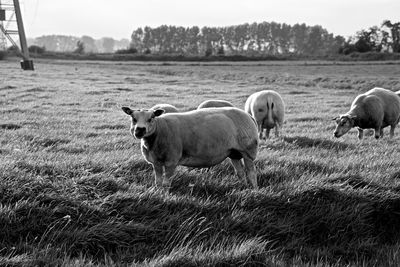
(26, 62)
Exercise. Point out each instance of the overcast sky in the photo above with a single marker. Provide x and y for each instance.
(118, 18)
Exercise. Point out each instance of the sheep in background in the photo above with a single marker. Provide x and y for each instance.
(376, 109)
(215, 103)
(268, 110)
(166, 107)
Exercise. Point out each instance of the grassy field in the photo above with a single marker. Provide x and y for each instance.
(75, 189)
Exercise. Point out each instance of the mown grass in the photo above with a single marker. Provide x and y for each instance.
(75, 190)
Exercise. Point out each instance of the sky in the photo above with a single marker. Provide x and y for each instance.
(118, 18)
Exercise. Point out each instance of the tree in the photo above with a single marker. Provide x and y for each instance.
(206, 41)
(368, 40)
(193, 40)
(137, 39)
(147, 39)
(3, 54)
(80, 47)
(36, 49)
(108, 44)
(395, 34)
(336, 45)
(89, 43)
(314, 42)
(299, 38)
(221, 51)
(59, 43)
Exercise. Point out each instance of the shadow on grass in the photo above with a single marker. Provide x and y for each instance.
(10, 126)
(205, 185)
(273, 177)
(135, 171)
(111, 127)
(7, 87)
(38, 142)
(304, 142)
(307, 119)
(298, 93)
(148, 220)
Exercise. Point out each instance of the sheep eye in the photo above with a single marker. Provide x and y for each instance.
(134, 120)
(149, 120)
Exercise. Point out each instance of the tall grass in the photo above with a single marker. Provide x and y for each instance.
(75, 190)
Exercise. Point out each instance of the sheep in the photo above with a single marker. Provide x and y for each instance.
(215, 103)
(376, 109)
(268, 109)
(166, 107)
(199, 138)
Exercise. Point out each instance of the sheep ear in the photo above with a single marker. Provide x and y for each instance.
(337, 119)
(158, 112)
(353, 117)
(127, 110)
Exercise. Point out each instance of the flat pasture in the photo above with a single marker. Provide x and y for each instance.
(75, 189)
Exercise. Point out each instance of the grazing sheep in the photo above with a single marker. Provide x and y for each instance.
(376, 109)
(268, 110)
(214, 103)
(166, 107)
(198, 138)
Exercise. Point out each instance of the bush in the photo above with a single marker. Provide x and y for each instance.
(347, 49)
(3, 55)
(80, 48)
(12, 49)
(208, 52)
(37, 49)
(221, 51)
(130, 50)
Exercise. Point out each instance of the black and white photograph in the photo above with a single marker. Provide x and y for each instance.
(199, 133)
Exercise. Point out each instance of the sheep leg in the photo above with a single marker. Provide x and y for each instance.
(360, 133)
(169, 172)
(267, 132)
(277, 128)
(158, 170)
(392, 127)
(250, 171)
(260, 131)
(238, 166)
(377, 132)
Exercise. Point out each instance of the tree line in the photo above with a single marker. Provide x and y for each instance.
(246, 39)
(266, 38)
(84, 44)
(385, 38)
(256, 39)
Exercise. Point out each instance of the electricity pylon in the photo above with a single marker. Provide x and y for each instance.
(15, 16)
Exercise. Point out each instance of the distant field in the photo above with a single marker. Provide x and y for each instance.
(75, 189)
